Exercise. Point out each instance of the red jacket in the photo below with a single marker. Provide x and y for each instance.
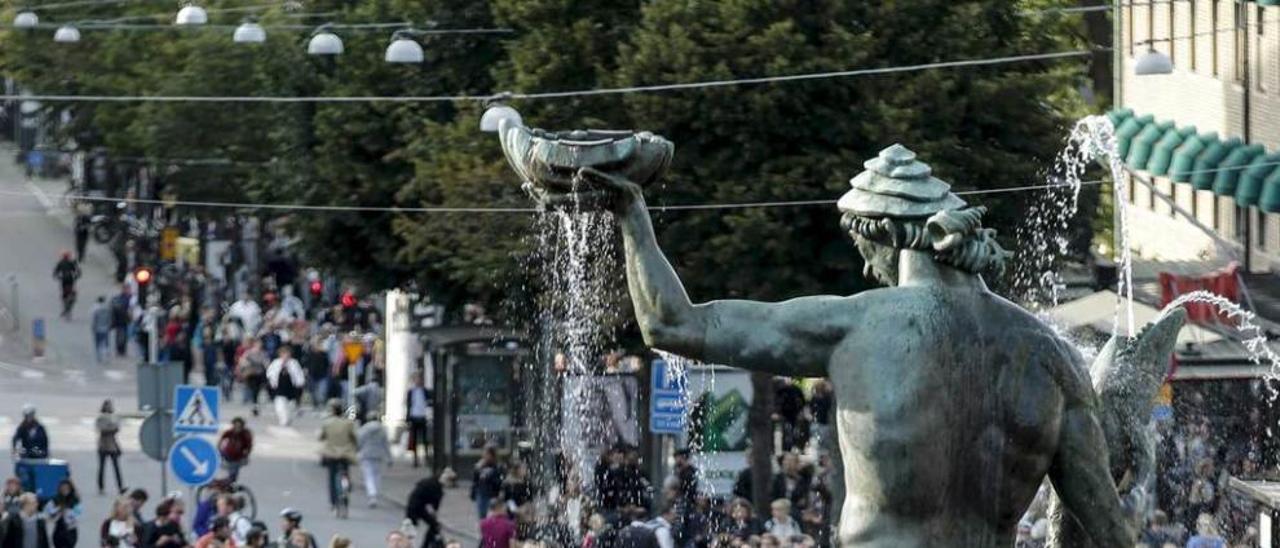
(236, 446)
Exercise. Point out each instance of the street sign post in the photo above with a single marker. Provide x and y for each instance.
(156, 434)
(155, 385)
(195, 409)
(194, 461)
(667, 400)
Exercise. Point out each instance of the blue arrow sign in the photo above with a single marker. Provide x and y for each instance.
(195, 409)
(194, 461)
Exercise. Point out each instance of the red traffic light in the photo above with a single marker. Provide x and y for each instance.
(142, 276)
(316, 287)
(348, 300)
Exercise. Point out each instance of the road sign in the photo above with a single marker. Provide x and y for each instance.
(667, 400)
(156, 434)
(194, 460)
(195, 409)
(155, 385)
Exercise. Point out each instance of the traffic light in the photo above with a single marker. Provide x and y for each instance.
(143, 276)
(348, 300)
(316, 288)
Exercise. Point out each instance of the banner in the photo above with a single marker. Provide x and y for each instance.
(718, 433)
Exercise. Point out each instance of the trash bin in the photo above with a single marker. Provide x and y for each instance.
(41, 476)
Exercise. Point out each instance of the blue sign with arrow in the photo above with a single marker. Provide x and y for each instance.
(667, 400)
(194, 461)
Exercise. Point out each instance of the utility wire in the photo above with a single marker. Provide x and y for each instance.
(551, 94)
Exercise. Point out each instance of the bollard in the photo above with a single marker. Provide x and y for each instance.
(37, 337)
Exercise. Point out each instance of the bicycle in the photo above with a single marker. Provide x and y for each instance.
(250, 509)
(339, 474)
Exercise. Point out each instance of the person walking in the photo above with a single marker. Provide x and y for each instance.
(496, 529)
(63, 510)
(108, 426)
(82, 235)
(418, 410)
(235, 445)
(25, 528)
(420, 509)
(339, 437)
(291, 522)
(120, 320)
(374, 453)
(67, 271)
(486, 480)
(121, 529)
(285, 379)
(251, 368)
(101, 319)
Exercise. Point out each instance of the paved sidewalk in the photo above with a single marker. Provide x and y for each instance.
(457, 512)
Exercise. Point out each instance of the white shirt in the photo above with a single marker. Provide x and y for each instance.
(293, 369)
(784, 530)
(418, 403)
(662, 530)
(121, 531)
(249, 313)
(240, 527)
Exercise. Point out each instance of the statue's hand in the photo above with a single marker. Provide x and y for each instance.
(622, 192)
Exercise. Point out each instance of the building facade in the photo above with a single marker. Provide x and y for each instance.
(1207, 135)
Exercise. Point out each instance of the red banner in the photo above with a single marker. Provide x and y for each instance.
(1224, 282)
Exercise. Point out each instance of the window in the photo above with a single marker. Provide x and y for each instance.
(1192, 34)
(1240, 33)
(1260, 43)
(1213, 36)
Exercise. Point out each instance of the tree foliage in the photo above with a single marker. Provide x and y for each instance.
(980, 127)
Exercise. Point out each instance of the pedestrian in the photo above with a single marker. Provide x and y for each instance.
(418, 411)
(339, 541)
(108, 426)
(252, 371)
(496, 529)
(207, 506)
(248, 312)
(486, 480)
(397, 539)
(290, 521)
(219, 535)
(298, 538)
(205, 338)
(25, 528)
(229, 507)
(12, 497)
(30, 440)
(64, 511)
(781, 524)
(82, 235)
(339, 437)
(420, 509)
(166, 530)
(101, 319)
(663, 526)
(257, 538)
(637, 533)
(137, 499)
(317, 363)
(121, 527)
(235, 446)
(286, 380)
(374, 454)
(230, 335)
(120, 305)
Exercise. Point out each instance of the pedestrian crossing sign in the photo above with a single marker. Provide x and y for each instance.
(195, 409)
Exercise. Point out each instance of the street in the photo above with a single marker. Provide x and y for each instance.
(67, 388)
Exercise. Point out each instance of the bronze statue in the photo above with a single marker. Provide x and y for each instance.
(954, 404)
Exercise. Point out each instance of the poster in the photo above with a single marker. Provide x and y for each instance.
(484, 403)
(719, 401)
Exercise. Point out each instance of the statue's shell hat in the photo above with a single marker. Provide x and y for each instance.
(896, 185)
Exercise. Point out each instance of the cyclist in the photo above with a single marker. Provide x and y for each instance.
(235, 445)
(338, 434)
(67, 271)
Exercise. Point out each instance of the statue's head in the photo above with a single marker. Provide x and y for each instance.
(897, 204)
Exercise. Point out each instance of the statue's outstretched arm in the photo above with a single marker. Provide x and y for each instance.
(786, 338)
(1081, 477)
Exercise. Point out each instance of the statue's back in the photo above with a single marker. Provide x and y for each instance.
(950, 410)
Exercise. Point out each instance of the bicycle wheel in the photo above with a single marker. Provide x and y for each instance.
(250, 502)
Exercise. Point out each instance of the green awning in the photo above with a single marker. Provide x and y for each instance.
(1162, 154)
(1202, 176)
(1270, 200)
(1268, 2)
(1249, 190)
(1144, 143)
(1228, 176)
(1129, 129)
(1184, 157)
(1119, 115)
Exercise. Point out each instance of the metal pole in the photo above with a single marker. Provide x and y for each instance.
(1245, 214)
(13, 301)
(153, 345)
